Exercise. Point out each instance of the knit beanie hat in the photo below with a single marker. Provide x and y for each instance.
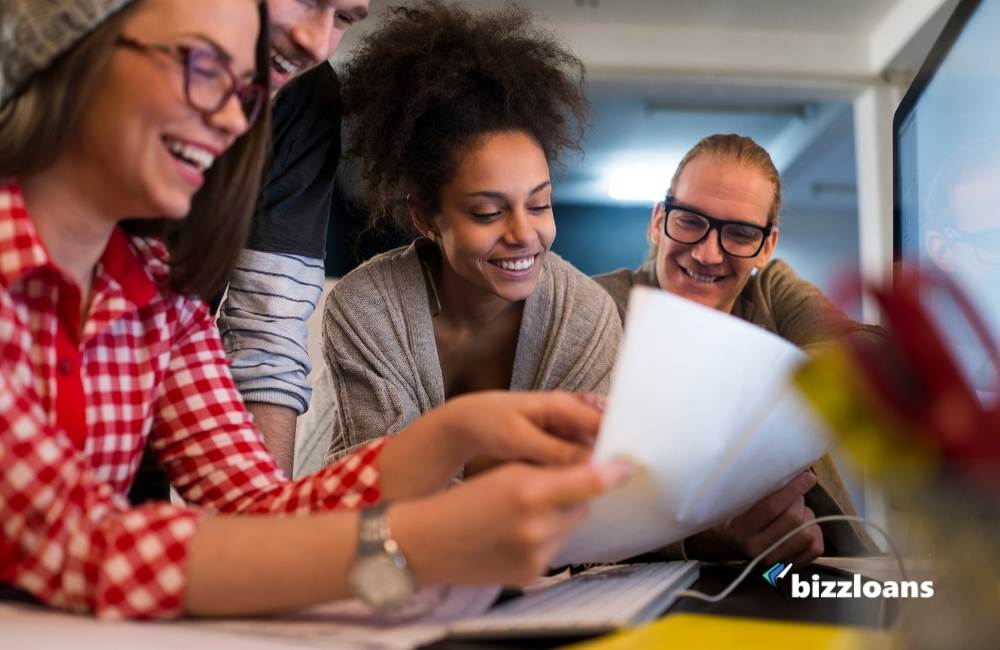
(34, 33)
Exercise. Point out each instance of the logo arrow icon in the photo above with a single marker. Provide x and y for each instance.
(777, 572)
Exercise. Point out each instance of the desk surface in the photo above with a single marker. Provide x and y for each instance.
(40, 628)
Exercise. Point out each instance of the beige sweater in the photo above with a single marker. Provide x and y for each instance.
(782, 303)
(380, 348)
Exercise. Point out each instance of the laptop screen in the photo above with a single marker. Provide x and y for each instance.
(947, 175)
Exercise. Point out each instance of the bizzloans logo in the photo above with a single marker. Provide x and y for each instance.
(854, 588)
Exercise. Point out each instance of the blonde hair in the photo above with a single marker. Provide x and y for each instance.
(739, 149)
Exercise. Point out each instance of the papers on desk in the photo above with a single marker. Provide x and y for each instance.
(351, 624)
(701, 402)
(340, 625)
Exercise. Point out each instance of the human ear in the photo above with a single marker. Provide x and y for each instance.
(421, 218)
(655, 228)
(765, 254)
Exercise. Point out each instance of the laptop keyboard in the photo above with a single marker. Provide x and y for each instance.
(601, 599)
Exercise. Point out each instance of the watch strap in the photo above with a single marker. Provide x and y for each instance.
(373, 529)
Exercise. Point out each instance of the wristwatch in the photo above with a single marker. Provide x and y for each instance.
(380, 576)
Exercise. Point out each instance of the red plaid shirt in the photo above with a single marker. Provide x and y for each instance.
(77, 406)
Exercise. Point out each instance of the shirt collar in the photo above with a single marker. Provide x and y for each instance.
(22, 251)
(122, 264)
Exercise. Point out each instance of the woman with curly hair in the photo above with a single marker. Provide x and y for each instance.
(455, 117)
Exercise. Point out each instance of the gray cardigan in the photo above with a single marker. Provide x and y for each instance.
(380, 348)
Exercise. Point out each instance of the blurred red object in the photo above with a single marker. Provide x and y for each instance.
(917, 377)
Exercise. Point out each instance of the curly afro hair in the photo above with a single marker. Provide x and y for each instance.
(433, 79)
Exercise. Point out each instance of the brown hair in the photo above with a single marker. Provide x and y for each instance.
(738, 149)
(434, 78)
(36, 124)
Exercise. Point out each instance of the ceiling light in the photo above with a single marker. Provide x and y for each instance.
(641, 182)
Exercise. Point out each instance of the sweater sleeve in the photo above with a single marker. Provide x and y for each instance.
(373, 398)
(263, 325)
(801, 313)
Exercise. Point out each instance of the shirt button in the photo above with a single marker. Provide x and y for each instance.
(65, 366)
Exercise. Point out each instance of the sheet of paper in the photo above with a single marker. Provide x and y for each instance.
(35, 628)
(341, 625)
(349, 623)
(702, 403)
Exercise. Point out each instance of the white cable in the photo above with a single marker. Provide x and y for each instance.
(691, 593)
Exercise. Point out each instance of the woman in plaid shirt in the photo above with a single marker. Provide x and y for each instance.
(113, 114)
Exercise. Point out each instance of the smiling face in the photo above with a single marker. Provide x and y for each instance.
(142, 147)
(702, 272)
(495, 223)
(304, 33)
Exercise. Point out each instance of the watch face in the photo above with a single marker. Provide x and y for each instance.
(380, 582)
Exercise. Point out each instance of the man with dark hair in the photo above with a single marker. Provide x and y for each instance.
(280, 275)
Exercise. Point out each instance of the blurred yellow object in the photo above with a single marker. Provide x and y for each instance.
(896, 452)
(706, 631)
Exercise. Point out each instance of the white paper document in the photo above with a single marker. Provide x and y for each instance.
(340, 625)
(351, 624)
(703, 404)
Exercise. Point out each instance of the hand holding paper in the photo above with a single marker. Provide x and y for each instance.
(702, 403)
(750, 533)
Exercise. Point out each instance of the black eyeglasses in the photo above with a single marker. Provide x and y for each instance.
(209, 82)
(688, 226)
(986, 244)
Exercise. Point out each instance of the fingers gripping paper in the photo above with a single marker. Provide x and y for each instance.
(702, 403)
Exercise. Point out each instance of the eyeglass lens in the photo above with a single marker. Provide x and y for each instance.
(210, 85)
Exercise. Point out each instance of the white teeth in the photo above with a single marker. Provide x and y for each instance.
(198, 156)
(516, 265)
(284, 64)
(701, 278)
(191, 154)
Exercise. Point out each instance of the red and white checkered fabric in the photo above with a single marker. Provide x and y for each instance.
(77, 406)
